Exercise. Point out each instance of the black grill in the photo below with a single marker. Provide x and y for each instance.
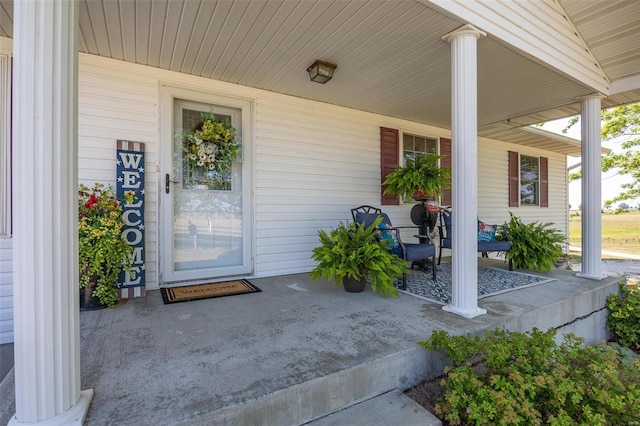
(425, 219)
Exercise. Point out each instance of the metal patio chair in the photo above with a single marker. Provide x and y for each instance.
(417, 253)
(445, 228)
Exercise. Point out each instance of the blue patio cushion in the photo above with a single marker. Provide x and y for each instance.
(413, 251)
(369, 218)
(446, 242)
(483, 246)
(418, 251)
(494, 245)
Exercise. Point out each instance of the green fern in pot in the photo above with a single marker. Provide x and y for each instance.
(419, 175)
(533, 245)
(353, 251)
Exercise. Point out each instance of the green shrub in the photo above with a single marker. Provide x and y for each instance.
(624, 316)
(509, 378)
(534, 245)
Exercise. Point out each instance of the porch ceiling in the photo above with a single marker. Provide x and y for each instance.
(390, 55)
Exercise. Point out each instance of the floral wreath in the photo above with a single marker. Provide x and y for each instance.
(212, 147)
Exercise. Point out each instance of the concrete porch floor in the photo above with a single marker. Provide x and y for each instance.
(295, 352)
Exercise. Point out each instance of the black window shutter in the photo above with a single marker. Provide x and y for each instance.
(389, 154)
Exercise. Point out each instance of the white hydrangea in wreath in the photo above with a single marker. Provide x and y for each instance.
(213, 147)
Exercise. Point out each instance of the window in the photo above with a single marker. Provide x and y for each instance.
(528, 180)
(5, 145)
(412, 145)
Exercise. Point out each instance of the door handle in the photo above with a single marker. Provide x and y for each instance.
(167, 181)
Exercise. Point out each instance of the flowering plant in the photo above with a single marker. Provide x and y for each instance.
(210, 150)
(102, 250)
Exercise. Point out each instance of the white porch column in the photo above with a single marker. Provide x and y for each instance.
(464, 155)
(46, 312)
(591, 188)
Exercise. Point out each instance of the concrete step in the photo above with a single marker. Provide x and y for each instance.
(391, 408)
(334, 393)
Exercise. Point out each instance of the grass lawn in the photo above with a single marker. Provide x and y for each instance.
(620, 232)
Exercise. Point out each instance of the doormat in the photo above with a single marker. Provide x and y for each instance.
(207, 291)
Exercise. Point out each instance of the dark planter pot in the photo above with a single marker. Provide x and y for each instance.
(422, 196)
(352, 285)
(88, 302)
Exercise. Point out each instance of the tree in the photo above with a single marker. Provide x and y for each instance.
(623, 123)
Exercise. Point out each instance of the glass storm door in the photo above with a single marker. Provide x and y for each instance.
(206, 205)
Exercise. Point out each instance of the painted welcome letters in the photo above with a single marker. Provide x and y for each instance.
(130, 180)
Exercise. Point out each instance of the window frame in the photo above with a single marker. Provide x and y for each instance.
(529, 160)
(5, 144)
(403, 149)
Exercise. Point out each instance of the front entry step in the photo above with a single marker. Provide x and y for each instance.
(391, 408)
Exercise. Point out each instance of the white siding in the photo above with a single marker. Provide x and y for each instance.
(6, 290)
(113, 105)
(6, 243)
(493, 186)
(313, 163)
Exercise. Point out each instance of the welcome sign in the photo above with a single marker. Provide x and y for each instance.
(130, 179)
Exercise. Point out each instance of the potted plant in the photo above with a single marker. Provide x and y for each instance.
(353, 252)
(533, 245)
(102, 252)
(420, 175)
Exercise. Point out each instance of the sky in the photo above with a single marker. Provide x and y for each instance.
(611, 181)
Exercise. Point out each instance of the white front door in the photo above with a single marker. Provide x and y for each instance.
(206, 220)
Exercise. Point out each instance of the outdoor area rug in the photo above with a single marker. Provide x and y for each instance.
(207, 291)
(491, 281)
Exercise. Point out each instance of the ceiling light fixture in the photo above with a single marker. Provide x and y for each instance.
(320, 71)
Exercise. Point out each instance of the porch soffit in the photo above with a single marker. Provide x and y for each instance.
(535, 138)
(390, 56)
(611, 30)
